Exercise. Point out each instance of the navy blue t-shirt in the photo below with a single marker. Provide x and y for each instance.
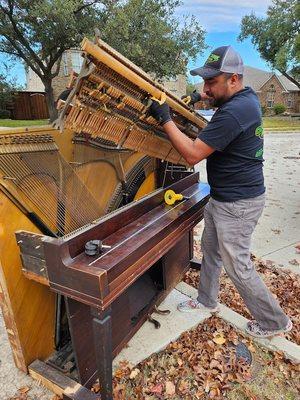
(235, 131)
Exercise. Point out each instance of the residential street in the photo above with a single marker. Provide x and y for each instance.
(275, 239)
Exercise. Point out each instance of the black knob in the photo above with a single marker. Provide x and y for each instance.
(93, 247)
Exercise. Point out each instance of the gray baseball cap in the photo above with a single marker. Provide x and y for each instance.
(222, 59)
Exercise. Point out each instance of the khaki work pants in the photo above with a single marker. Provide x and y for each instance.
(226, 241)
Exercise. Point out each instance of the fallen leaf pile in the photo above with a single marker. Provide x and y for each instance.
(201, 364)
(284, 284)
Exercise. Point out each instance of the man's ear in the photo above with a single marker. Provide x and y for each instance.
(233, 80)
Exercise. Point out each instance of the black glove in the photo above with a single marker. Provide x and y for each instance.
(64, 95)
(191, 99)
(161, 112)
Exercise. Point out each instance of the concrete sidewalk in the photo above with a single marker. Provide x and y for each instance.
(275, 237)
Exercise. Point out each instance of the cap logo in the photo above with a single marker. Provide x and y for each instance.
(213, 58)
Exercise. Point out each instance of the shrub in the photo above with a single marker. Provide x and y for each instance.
(4, 114)
(279, 109)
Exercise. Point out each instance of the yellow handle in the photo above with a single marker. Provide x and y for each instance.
(171, 197)
(187, 99)
(162, 99)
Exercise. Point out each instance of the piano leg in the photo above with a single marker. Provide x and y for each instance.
(102, 329)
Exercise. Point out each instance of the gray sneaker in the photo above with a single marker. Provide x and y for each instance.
(254, 329)
(194, 305)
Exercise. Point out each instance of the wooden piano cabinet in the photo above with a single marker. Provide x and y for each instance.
(109, 296)
(111, 330)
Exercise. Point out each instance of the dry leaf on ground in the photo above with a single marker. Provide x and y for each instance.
(284, 284)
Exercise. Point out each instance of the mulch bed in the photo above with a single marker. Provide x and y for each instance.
(284, 284)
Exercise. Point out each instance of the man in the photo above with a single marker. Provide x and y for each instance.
(232, 142)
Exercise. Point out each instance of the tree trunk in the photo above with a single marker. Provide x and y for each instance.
(50, 99)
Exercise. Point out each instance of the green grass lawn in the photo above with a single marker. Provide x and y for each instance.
(270, 123)
(10, 123)
(281, 124)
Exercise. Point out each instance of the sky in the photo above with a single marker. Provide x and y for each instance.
(221, 20)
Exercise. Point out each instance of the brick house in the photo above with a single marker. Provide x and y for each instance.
(177, 85)
(72, 61)
(271, 89)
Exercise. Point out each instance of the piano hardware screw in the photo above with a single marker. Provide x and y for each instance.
(95, 247)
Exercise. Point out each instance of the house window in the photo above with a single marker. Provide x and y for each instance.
(270, 98)
(76, 61)
(65, 64)
(290, 100)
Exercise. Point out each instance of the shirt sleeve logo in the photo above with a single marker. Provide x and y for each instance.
(259, 153)
(259, 131)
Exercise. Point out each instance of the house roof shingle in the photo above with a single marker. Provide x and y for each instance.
(256, 78)
(287, 83)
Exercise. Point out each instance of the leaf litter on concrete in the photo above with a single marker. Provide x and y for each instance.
(200, 366)
(196, 366)
(203, 363)
(284, 284)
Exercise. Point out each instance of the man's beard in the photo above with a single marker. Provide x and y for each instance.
(217, 102)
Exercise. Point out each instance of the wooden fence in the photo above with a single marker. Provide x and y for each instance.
(29, 105)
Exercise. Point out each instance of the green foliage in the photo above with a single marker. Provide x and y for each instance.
(4, 114)
(7, 87)
(147, 32)
(279, 108)
(277, 36)
(190, 87)
(40, 31)
(5, 92)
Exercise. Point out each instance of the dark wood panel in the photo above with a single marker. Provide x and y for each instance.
(176, 262)
(124, 216)
(86, 279)
(81, 330)
(128, 312)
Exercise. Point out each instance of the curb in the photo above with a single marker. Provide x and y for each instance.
(277, 343)
(266, 130)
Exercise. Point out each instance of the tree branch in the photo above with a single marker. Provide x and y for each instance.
(11, 53)
(55, 73)
(290, 78)
(22, 55)
(85, 6)
(21, 38)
